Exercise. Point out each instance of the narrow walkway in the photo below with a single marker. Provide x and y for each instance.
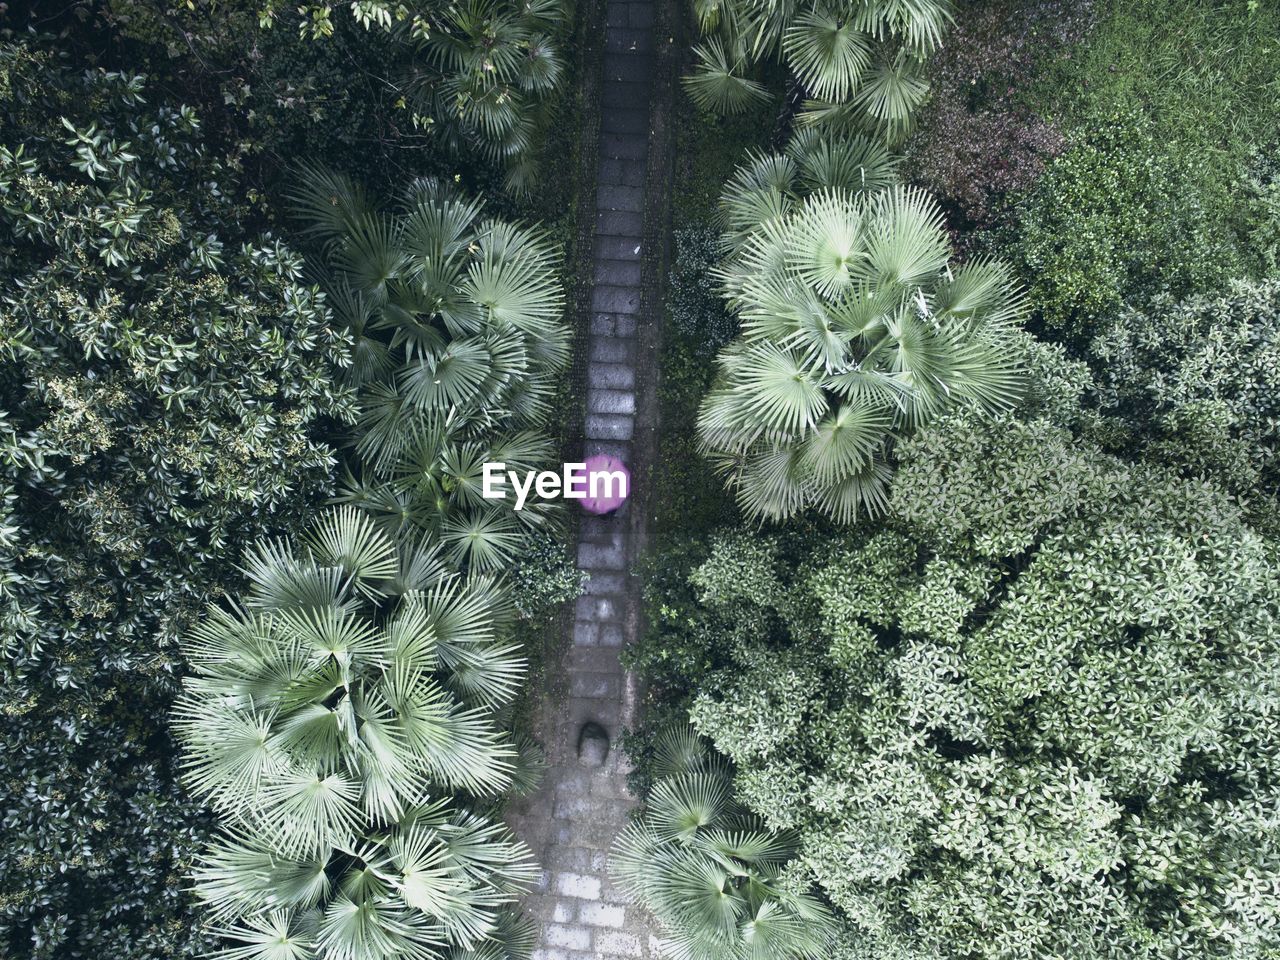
(572, 821)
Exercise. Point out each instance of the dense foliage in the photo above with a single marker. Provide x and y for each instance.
(458, 341)
(1195, 383)
(1113, 224)
(165, 383)
(856, 329)
(1032, 716)
(331, 713)
(366, 682)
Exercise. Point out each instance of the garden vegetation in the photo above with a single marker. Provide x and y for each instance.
(1014, 699)
(963, 609)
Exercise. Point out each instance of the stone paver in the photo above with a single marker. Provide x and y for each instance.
(572, 821)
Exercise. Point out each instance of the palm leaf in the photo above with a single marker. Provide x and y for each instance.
(717, 85)
(828, 53)
(347, 538)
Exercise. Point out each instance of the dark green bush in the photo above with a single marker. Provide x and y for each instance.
(165, 390)
(693, 298)
(1116, 220)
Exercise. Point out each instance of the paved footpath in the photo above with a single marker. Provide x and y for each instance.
(572, 821)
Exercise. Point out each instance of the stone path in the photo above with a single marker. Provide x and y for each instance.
(572, 821)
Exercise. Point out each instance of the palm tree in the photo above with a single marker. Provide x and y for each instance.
(458, 347)
(860, 63)
(329, 715)
(497, 60)
(710, 872)
(769, 186)
(855, 328)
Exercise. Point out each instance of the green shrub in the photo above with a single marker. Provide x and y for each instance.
(164, 390)
(339, 719)
(543, 576)
(1197, 383)
(856, 67)
(856, 330)
(1031, 716)
(1116, 220)
(693, 298)
(472, 80)
(459, 342)
(715, 879)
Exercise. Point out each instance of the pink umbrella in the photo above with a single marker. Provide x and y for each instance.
(608, 484)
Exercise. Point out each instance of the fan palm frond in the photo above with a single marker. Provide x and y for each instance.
(710, 881)
(718, 85)
(347, 538)
(891, 90)
(678, 750)
(828, 52)
(530, 766)
(279, 935)
(316, 723)
(856, 165)
(239, 875)
(327, 203)
(853, 328)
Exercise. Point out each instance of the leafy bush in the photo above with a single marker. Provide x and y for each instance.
(164, 389)
(1030, 717)
(855, 330)
(1112, 223)
(1197, 383)
(543, 576)
(330, 714)
(1261, 189)
(771, 185)
(693, 296)
(476, 78)
(1165, 107)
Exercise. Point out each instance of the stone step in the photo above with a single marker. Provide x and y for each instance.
(623, 173)
(611, 401)
(619, 223)
(619, 197)
(615, 300)
(611, 350)
(610, 426)
(615, 324)
(618, 248)
(611, 376)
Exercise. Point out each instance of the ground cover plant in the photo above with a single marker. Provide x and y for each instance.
(980, 142)
(1167, 113)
